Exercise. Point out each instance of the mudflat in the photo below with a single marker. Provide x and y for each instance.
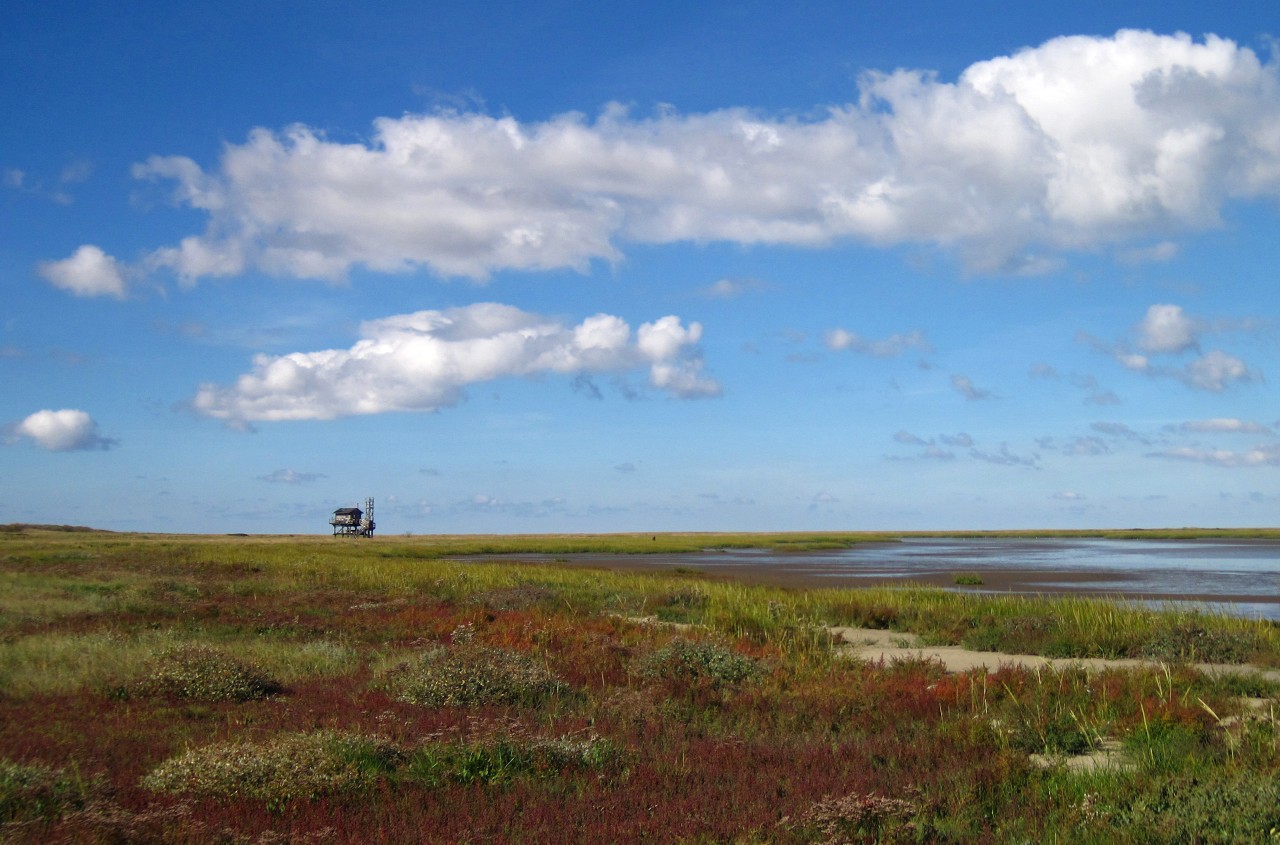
(804, 570)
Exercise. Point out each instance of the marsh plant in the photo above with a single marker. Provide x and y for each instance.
(282, 769)
(468, 674)
(863, 818)
(685, 660)
(307, 766)
(206, 674)
(33, 792)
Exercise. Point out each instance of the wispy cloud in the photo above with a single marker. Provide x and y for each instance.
(732, 288)
(1005, 457)
(289, 476)
(1118, 430)
(1156, 253)
(1225, 425)
(17, 179)
(1086, 446)
(965, 387)
(1042, 370)
(889, 347)
(930, 450)
(1263, 456)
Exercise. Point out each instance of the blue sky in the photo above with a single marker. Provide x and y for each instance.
(640, 266)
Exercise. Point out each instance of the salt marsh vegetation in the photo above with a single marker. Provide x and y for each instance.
(216, 689)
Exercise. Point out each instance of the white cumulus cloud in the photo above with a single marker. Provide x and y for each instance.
(423, 361)
(1078, 143)
(1167, 328)
(1215, 370)
(88, 272)
(65, 430)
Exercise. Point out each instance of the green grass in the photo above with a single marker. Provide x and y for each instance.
(57, 662)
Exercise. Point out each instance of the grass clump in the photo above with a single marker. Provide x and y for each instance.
(34, 792)
(206, 674)
(283, 769)
(469, 674)
(1193, 641)
(967, 579)
(695, 661)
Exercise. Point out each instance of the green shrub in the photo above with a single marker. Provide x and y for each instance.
(286, 768)
(695, 660)
(1212, 811)
(32, 792)
(205, 674)
(501, 760)
(967, 579)
(466, 675)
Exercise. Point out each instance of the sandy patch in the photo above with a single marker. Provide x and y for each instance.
(887, 646)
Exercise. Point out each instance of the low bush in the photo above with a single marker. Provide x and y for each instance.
(862, 818)
(205, 674)
(468, 674)
(33, 792)
(1213, 811)
(283, 769)
(698, 661)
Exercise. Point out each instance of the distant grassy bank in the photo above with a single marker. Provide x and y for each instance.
(691, 541)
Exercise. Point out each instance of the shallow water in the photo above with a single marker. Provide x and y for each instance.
(1240, 577)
